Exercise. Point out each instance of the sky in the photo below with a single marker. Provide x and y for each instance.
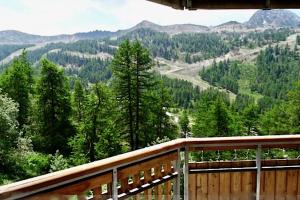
(51, 17)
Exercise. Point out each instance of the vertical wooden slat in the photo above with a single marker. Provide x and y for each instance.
(247, 183)
(168, 191)
(147, 179)
(96, 193)
(109, 190)
(158, 192)
(136, 183)
(270, 185)
(192, 186)
(225, 183)
(202, 183)
(280, 186)
(262, 185)
(81, 197)
(124, 185)
(168, 184)
(291, 184)
(236, 183)
(157, 189)
(213, 183)
(148, 194)
(298, 185)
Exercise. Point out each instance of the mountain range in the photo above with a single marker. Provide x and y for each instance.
(261, 19)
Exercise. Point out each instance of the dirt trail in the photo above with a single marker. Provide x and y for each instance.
(19, 52)
(189, 72)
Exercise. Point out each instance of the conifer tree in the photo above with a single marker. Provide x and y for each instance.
(55, 107)
(17, 83)
(131, 69)
(184, 124)
(123, 72)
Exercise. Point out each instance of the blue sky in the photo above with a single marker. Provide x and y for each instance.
(49, 17)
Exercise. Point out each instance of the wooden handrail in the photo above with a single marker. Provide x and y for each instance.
(60, 178)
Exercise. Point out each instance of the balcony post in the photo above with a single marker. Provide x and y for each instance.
(115, 184)
(258, 172)
(177, 180)
(186, 173)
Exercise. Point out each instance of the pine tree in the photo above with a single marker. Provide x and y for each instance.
(123, 73)
(250, 115)
(98, 133)
(78, 100)
(55, 107)
(294, 108)
(159, 124)
(131, 69)
(17, 83)
(184, 123)
(142, 64)
(221, 119)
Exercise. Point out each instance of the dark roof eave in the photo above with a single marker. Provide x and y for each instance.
(229, 4)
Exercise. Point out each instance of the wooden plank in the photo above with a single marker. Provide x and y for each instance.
(213, 184)
(25, 187)
(236, 183)
(147, 179)
(202, 184)
(248, 179)
(280, 186)
(262, 185)
(168, 168)
(124, 185)
(298, 185)
(148, 194)
(269, 185)
(192, 186)
(292, 181)
(96, 193)
(109, 190)
(168, 190)
(158, 171)
(158, 192)
(147, 165)
(136, 180)
(225, 180)
(83, 186)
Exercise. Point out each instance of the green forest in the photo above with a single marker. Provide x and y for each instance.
(59, 110)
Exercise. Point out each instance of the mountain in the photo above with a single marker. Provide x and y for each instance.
(260, 19)
(17, 37)
(170, 29)
(229, 26)
(273, 18)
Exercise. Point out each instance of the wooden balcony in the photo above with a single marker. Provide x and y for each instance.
(158, 172)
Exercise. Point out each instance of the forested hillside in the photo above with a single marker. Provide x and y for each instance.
(275, 71)
(65, 104)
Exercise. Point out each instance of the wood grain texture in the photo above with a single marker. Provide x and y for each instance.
(225, 182)
(202, 183)
(75, 174)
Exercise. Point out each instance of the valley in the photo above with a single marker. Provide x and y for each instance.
(72, 99)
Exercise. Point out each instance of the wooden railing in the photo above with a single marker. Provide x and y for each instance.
(153, 172)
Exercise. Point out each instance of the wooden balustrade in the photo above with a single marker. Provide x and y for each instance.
(154, 172)
(228, 180)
